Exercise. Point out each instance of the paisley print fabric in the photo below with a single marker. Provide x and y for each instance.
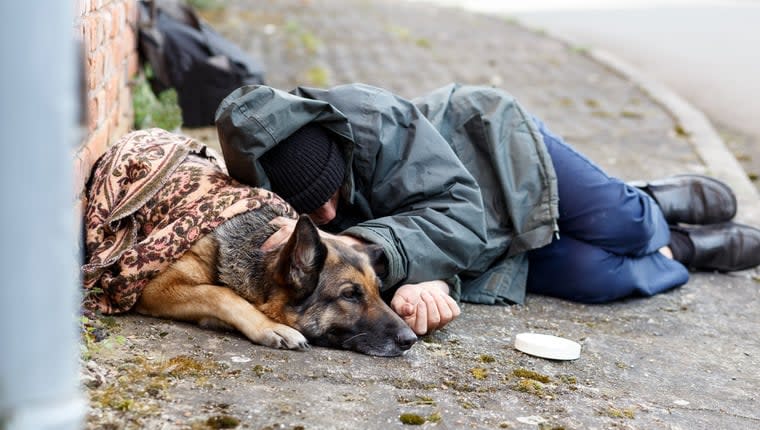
(151, 196)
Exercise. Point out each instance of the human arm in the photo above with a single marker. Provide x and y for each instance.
(413, 196)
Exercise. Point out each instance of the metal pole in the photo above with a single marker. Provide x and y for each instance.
(38, 263)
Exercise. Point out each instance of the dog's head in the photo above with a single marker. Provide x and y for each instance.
(333, 295)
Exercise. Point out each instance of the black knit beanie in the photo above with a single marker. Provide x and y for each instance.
(306, 168)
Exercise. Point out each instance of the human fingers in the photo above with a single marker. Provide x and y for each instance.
(433, 316)
(449, 310)
(454, 306)
(444, 310)
(407, 311)
(420, 324)
(402, 306)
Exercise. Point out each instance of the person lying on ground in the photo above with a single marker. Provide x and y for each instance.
(472, 198)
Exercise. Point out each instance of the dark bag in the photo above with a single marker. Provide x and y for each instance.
(189, 56)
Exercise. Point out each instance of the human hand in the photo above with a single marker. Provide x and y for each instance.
(426, 306)
(288, 225)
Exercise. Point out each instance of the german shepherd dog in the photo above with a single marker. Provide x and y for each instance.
(310, 289)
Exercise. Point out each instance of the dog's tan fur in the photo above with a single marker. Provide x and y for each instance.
(311, 287)
(187, 292)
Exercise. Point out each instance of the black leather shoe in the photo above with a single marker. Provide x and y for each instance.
(723, 247)
(692, 199)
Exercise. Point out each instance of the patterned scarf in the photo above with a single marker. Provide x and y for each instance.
(152, 195)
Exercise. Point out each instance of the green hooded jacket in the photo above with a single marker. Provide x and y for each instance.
(454, 185)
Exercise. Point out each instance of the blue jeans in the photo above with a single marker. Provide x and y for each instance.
(610, 234)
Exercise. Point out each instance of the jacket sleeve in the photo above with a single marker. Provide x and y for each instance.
(427, 210)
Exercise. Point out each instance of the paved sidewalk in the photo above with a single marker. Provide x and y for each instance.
(687, 359)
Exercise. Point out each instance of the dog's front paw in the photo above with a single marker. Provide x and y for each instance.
(283, 337)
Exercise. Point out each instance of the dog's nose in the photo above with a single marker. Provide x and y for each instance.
(405, 339)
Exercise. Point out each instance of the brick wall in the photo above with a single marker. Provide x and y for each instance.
(107, 29)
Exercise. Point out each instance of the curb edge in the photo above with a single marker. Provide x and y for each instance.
(709, 146)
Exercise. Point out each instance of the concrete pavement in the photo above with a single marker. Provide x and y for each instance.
(686, 359)
(702, 49)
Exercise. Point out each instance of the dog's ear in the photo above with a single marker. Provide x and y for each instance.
(376, 257)
(302, 258)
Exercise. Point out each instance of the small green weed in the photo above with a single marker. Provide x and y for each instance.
(151, 111)
(205, 4)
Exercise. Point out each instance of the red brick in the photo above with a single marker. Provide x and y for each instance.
(92, 113)
(126, 115)
(112, 90)
(133, 65)
(108, 63)
(112, 119)
(131, 11)
(93, 147)
(116, 54)
(117, 13)
(97, 144)
(87, 34)
(120, 123)
(95, 69)
(95, 24)
(96, 37)
(105, 26)
(96, 120)
(129, 39)
(103, 105)
(122, 4)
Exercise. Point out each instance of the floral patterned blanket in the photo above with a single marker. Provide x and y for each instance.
(151, 196)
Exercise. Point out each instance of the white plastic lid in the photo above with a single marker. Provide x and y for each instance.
(548, 346)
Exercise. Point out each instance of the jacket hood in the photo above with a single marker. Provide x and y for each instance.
(253, 119)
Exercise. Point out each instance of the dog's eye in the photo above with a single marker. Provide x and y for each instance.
(352, 293)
